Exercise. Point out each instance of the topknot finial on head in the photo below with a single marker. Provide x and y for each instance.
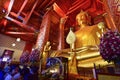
(83, 12)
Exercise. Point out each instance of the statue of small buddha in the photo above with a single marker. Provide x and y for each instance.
(46, 53)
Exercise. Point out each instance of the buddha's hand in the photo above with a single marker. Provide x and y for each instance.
(63, 19)
(101, 25)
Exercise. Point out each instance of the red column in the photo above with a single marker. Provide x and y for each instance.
(61, 36)
(108, 17)
(43, 36)
(61, 33)
(28, 46)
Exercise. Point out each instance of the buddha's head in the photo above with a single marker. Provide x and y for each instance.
(48, 43)
(82, 18)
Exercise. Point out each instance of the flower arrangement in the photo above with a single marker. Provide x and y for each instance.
(34, 56)
(110, 46)
(24, 57)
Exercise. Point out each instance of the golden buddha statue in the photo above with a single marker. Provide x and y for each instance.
(87, 35)
(87, 40)
(82, 41)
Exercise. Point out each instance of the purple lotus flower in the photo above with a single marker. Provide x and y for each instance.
(24, 57)
(110, 46)
(34, 56)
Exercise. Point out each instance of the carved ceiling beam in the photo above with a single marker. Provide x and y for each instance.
(21, 18)
(29, 15)
(21, 23)
(50, 3)
(58, 10)
(24, 26)
(22, 7)
(78, 7)
(76, 3)
(43, 4)
(19, 33)
(16, 15)
(93, 8)
(99, 1)
(39, 15)
(10, 7)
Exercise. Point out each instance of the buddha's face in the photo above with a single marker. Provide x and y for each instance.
(81, 19)
(48, 43)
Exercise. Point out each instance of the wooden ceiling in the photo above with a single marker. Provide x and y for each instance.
(22, 18)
